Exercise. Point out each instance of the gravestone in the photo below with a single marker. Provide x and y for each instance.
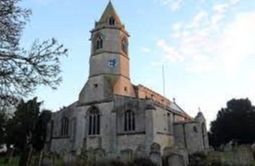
(253, 149)
(126, 155)
(99, 154)
(90, 157)
(175, 156)
(155, 154)
(242, 155)
(47, 162)
(69, 159)
(176, 160)
(140, 152)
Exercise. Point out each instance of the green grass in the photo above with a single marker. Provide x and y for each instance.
(14, 161)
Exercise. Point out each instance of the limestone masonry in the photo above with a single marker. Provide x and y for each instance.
(116, 118)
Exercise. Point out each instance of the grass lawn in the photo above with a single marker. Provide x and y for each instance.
(14, 161)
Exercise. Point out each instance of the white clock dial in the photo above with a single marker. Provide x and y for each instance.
(112, 63)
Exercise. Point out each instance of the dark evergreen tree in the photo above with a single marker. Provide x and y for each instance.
(3, 120)
(235, 122)
(28, 127)
(21, 126)
(40, 131)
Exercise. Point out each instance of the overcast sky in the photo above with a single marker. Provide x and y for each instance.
(207, 47)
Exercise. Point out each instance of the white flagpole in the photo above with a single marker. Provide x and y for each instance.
(163, 79)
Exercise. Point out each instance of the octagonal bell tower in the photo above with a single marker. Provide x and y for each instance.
(109, 60)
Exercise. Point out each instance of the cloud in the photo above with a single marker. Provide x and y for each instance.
(170, 52)
(176, 5)
(172, 4)
(211, 41)
(237, 41)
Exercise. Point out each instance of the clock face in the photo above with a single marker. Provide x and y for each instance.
(112, 63)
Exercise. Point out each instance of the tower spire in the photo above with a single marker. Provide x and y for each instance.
(110, 12)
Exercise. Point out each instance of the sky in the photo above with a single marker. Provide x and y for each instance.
(207, 48)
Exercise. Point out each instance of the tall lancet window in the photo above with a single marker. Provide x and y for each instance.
(129, 121)
(124, 45)
(94, 121)
(64, 126)
(98, 42)
(112, 21)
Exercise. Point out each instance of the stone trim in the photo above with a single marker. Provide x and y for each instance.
(96, 102)
(110, 27)
(60, 137)
(131, 133)
(110, 52)
(165, 133)
(94, 75)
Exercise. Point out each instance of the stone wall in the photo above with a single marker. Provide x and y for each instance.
(191, 135)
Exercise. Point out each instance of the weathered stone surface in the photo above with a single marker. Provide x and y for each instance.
(175, 155)
(155, 154)
(47, 162)
(253, 149)
(192, 135)
(99, 154)
(69, 159)
(239, 155)
(176, 160)
(140, 152)
(126, 155)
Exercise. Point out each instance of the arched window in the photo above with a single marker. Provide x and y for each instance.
(111, 21)
(129, 121)
(98, 42)
(94, 121)
(124, 45)
(64, 126)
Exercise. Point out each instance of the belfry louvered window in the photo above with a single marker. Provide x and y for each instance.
(129, 121)
(111, 21)
(94, 122)
(99, 42)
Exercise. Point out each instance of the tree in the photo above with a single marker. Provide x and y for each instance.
(28, 128)
(20, 128)
(236, 122)
(40, 131)
(3, 120)
(21, 70)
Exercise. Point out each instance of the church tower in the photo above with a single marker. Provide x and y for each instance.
(109, 60)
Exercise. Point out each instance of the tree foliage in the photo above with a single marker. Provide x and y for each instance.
(40, 130)
(21, 126)
(3, 121)
(235, 122)
(21, 70)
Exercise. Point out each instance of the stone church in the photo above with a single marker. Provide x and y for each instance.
(114, 115)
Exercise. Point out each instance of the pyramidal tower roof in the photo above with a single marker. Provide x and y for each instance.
(109, 12)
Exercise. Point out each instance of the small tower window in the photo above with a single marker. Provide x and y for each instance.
(94, 122)
(129, 121)
(112, 21)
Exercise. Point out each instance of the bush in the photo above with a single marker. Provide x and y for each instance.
(136, 162)
(142, 162)
(198, 159)
(111, 163)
